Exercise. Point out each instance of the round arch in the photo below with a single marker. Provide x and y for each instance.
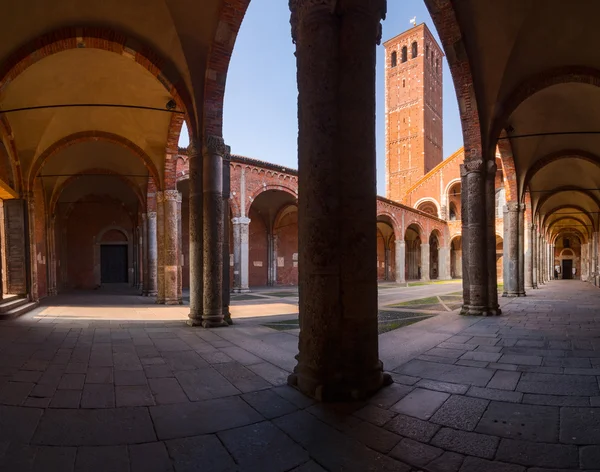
(557, 156)
(431, 200)
(416, 223)
(98, 243)
(393, 221)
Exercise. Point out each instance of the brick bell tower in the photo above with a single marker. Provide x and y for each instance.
(413, 109)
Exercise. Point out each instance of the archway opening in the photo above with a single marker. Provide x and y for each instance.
(434, 256)
(428, 207)
(386, 249)
(412, 239)
(456, 258)
(499, 257)
(454, 202)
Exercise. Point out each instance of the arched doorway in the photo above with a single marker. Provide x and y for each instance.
(567, 257)
(456, 257)
(434, 255)
(386, 249)
(412, 239)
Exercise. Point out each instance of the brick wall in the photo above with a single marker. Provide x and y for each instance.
(41, 254)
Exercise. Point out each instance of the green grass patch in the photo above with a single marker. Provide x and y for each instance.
(283, 325)
(392, 325)
(419, 301)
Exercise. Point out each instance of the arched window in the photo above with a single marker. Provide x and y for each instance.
(394, 59)
(404, 53)
(452, 212)
(415, 50)
(403, 83)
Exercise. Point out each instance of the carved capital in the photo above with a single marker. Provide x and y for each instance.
(170, 195)
(151, 215)
(512, 206)
(491, 168)
(215, 145)
(160, 197)
(471, 165)
(193, 149)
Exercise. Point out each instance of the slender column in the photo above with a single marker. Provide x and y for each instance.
(152, 255)
(521, 254)
(144, 254)
(31, 257)
(179, 252)
(226, 215)
(400, 261)
(51, 235)
(594, 253)
(492, 308)
(388, 263)
(196, 261)
(533, 252)
(335, 53)
(425, 262)
(214, 224)
(140, 257)
(444, 263)
(160, 242)
(272, 259)
(511, 248)
(241, 227)
(170, 260)
(540, 252)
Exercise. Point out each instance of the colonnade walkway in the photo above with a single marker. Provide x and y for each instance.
(125, 385)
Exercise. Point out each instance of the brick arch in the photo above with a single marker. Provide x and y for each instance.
(566, 218)
(536, 83)
(570, 188)
(444, 18)
(231, 15)
(11, 148)
(557, 156)
(172, 151)
(555, 236)
(562, 207)
(507, 161)
(439, 235)
(418, 225)
(84, 136)
(100, 236)
(106, 39)
(395, 225)
(429, 200)
(58, 190)
(266, 188)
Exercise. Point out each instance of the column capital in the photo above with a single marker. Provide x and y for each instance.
(400, 242)
(512, 206)
(215, 145)
(170, 195)
(491, 168)
(160, 197)
(240, 220)
(193, 148)
(151, 215)
(470, 166)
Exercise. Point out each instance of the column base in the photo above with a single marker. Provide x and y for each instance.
(52, 292)
(241, 290)
(339, 392)
(172, 301)
(510, 294)
(227, 316)
(534, 286)
(195, 322)
(477, 310)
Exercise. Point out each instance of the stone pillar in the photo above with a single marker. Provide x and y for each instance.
(594, 254)
(152, 254)
(511, 250)
(539, 252)
(196, 261)
(214, 224)
(271, 260)
(160, 243)
(226, 215)
(425, 262)
(528, 257)
(179, 251)
(338, 342)
(400, 261)
(144, 254)
(521, 270)
(140, 256)
(493, 308)
(444, 263)
(241, 227)
(51, 236)
(533, 251)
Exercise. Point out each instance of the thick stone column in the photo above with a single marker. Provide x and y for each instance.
(493, 308)
(521, 270)
(388, 263)
(425, 262)
(160, 243)
(594, 254)
(140, 257)
(51, 236)
(152, 254)
(144, 254)
(179, 251)
(271, 259)
(511, 250)
(196, 258)
(335, 53)
(241, 227)
(214, 224)
(400, 261)
(533, 251)
(170, 246)
(226, 215)
(444, 263)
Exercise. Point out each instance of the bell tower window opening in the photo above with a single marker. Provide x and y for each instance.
(394, 59)
(404, 53)
(414, 50)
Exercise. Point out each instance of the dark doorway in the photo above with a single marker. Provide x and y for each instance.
(113, 263)
(567, 268)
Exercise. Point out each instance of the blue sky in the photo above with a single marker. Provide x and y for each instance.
(260, 115)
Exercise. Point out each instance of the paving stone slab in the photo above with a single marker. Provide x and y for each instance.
(555, 400)
(481, 356)
(420, 403)
(493, 394)
(412, 428)
(133, 395)
(242, 378)
(474, 464)
(589, 457)
(271, 405)
(504, 380)
(460, 412)
(555, 384)
(580, 425)
(373, 414)
(200, 453)
(310, 466)
(447, 373)
(167, 390)
(110, 426)
(338, 415)
(294, 396)
(529, 422)
(447, 462)
(149, 457)
(443, 386)
(520, 359)
(204, 384)
(92, 459)
(390, 395)
(263, 446)
(375, 437)
(210, 416)
(538, 454)
(447, 353)
(415, 453)
(98, 396)
(54, 459)
(18, 424)
(404, 379)
(464, 442)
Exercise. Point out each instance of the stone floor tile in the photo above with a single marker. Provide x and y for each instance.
(99, 375)
(18, 424)
(98, 396)
(77, 368)
(242, 378)
(420, 403)
(404, 379)
(589, 457)
(580, 425)
(310, 466)
(204, 384)
(460, 339)
(241, 355)
(520, 359)
(192, 419)
(272, 374)
(481, 356)
(576, 362)
(338, 415)
(332, 449)
(184, 360)
(457, 346)
(469, 363)
(35, 402)
(17, 457)
(447, 462)
(556, 384)
(388, 396)
(375, 437)
(504, 367)
(54, 459)
(293, 396)
(167, 390)
(413, 428)
(15, 393)
(447, 353)
(538, 454)
(271, 405)
(443, 386)
(460, 412)
(435, 359)
(415, 453)
(373, 414)
(484, 341)
(199, 454)
(171, 345)
(133, 395)
(149, 457)
(504, 380)
(102, 427)
(71, 382)
(157, 371)
(474, 464)
(556, 400)
(447, 373)
(130, 378)
(66, 399)
(215, 357)
(472, 444)
(493, 394)
(26, 376)
(101, 459)
(263, 446)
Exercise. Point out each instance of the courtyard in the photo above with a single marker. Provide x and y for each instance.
(110, 383)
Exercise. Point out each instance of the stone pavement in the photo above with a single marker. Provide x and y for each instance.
(131, 388)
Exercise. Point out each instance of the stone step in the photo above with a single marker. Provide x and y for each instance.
(18, 310)
(14, 301)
